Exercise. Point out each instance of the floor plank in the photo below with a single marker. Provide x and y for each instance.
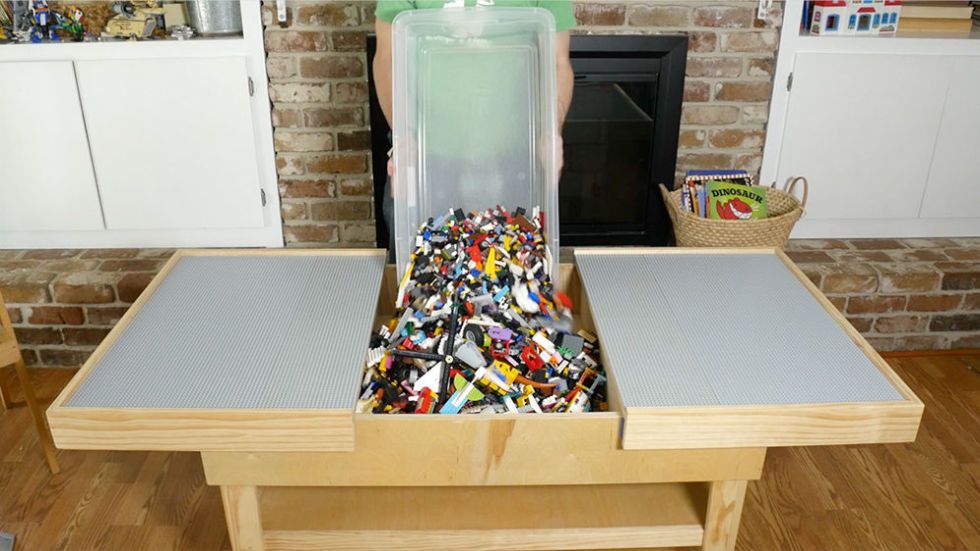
(924, 495)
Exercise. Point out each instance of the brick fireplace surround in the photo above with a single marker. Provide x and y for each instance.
(318, 84)
(902, 294)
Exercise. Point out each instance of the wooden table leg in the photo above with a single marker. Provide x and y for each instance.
(725, 499)
(4, 398)
(40, 422)
(243, 517)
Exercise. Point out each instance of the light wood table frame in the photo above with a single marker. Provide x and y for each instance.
(626, 478)
(514, 484)
(10, 355)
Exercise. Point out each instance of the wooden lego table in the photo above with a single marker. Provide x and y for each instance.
(254, 358)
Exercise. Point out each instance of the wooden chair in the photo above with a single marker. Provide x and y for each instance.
(10, 354)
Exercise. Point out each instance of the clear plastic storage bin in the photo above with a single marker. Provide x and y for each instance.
(475, 113)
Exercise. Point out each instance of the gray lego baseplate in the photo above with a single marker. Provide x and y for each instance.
(721, 330)
(244, 332)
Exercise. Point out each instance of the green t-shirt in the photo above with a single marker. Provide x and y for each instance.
(560, 9)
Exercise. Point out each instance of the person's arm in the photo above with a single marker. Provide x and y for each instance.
(564, 13)
(382, 67)
(565, 76)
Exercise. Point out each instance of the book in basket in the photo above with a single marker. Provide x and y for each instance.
(728, 201)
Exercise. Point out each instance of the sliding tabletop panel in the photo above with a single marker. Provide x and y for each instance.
(721, 348)
(231, 350)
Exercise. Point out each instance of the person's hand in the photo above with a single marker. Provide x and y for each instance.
(391, 164)
(560, 154)
(544, 145)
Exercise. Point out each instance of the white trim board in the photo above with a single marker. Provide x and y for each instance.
(138, 239)
(913, 227)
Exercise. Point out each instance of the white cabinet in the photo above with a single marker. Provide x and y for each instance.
(954, 181)
(886, 130)
(172, 142)
(46, 180)
(846, 114)
(160, 143)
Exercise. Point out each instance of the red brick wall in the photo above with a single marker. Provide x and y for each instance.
(64, 302)
(318, 85)
(902, 294)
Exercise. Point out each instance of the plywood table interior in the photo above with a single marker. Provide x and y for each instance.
(254, 359)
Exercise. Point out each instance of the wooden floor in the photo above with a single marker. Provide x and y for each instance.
(896, 497)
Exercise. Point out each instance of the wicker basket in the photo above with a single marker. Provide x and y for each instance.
(784, 211)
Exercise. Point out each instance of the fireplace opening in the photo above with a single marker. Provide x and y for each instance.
(620, 140)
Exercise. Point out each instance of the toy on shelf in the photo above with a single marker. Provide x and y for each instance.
(134, 19)
(42, 22)
(6, 20)
(71, 22)
(181, 32)
(889, 16)
(855, 17)
(829, 16)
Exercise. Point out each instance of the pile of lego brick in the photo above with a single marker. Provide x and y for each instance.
(479, 327)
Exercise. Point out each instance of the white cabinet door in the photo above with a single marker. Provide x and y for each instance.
(172, 142)
(46, 180)
(954, 181)
(861, 128)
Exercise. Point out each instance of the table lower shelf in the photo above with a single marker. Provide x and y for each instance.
(486, 518)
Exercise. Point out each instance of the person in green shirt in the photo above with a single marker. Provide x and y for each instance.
(459, 99)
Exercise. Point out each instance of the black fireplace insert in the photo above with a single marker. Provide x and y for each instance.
(620, 140)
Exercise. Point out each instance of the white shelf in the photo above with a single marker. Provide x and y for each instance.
(910, 227)
(269, 236)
